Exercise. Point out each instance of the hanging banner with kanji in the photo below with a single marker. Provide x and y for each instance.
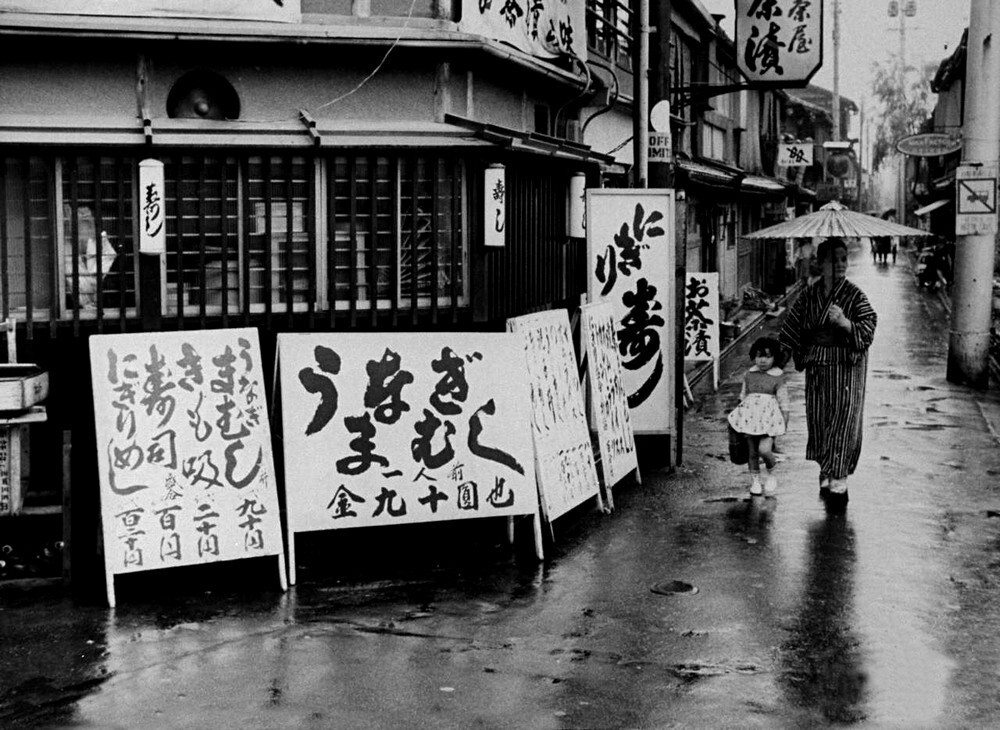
(564, 456)
(543, 28)
(701, 316)
(390, 428)
(284, 11)
(184, 450)
(609, 405)
(630, 263)
(779, 42)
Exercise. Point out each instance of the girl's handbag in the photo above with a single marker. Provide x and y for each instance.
(738, 450)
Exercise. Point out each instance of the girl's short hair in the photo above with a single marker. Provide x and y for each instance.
(766, 346)
(826, 248)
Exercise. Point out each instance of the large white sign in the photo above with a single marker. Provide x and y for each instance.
(394, 428)
(779, 41)
(184, 450)
(609, 404)
(284, 11)
(701, 316)
(545, 28)
(630, 263)
(564, 456)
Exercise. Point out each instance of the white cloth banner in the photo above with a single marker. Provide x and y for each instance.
(544, 28)
(609, 404)
(184, 449)
(630, 263)
(284, 11)
(391, 428)
(701, 316)
(564, 456)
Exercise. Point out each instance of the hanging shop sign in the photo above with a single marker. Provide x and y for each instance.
(608, 401)
(564, 456)
(282, 11)
(152, 225)
(796, 154)
(184, 450)
(494, 206)
(930, 144)
(779, 42)
(543, 28)
(630, 263)
(391, 428)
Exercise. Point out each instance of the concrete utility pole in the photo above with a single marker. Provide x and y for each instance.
(640, 76)
(969, 342)
(836, 71)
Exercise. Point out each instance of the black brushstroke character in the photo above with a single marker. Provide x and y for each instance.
(313, 382)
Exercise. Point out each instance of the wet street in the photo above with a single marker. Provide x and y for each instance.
(689, 607)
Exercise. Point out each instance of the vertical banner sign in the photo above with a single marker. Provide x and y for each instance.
(779, 41)
(392, 428)
(630, 263)
(6, 488)
(564, 456)
(701, 316)
(152, 223)
(609, 404)
(577, 227)
(495, 206)
(542, 28)
(184, 450)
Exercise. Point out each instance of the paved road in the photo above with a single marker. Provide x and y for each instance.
(884, 617)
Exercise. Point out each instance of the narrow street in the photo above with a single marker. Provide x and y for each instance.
(782, 616)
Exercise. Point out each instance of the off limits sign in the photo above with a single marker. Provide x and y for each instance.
(976, 200)
(779, 42)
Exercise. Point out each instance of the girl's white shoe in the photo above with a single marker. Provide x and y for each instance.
(755, 488)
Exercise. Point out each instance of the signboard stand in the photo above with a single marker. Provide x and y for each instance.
(383, 429)
(184, 451)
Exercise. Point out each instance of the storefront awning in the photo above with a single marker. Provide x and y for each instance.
(931, 207)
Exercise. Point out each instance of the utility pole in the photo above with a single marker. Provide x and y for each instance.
(836, 71)
(969, 338)
(641, 71)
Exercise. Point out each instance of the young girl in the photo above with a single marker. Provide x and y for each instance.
(763, 412)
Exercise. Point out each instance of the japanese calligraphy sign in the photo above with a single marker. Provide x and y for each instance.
(564, 456)
(609, 404)
(630, 263)
(544, 28)
(184, 450)
(286, 11)
(779, 42)
(6, 477)
(795, 154)
(495, 206)
(392, 428)
(701, 316)
(152, 223)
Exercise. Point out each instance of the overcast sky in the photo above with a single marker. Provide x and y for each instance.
(869, 35)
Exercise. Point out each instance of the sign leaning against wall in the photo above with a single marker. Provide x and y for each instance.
(395, 428)
(184, 450)
(630, 263)
(564, 456)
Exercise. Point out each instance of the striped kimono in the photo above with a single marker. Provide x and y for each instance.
(836, 365)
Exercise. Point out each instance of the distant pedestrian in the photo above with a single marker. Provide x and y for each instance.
(828, 331)
(762, 413)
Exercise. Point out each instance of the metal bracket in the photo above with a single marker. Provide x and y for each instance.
(310, 125)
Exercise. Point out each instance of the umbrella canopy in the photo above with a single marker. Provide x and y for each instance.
(833, 219)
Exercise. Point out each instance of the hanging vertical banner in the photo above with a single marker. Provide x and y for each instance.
(152, 223)
(564, 456)
(6, 477)
(630, 263)
(577, 225)
(391, 428)
(495, 206)
(285, 11)
(609, 404)
(184, 450)
(779, 41)
(543, 28)
(701, 316)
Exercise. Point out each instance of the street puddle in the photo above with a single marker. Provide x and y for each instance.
(673, 588)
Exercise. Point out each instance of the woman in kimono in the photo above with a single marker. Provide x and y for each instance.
(828, 331)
